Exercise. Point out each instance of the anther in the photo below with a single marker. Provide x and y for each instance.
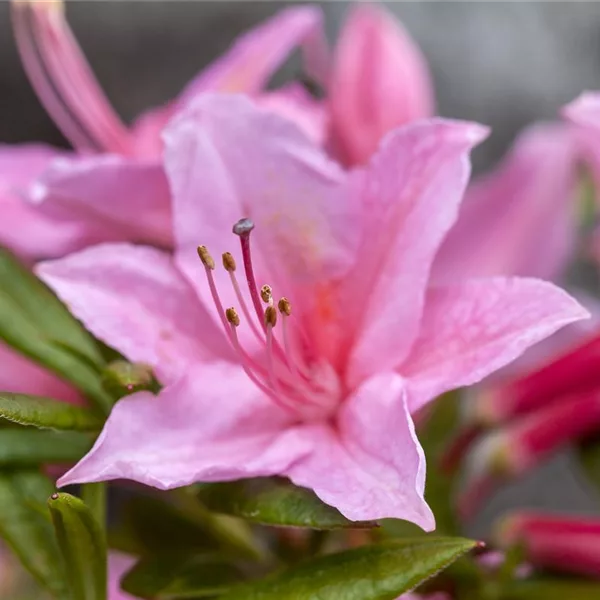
(243, 227)
(206, 258)
(270, 316)
(266, 293)
(229, 262)
(285, 307)
(232, 316)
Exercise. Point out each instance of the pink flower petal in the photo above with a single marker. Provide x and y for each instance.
(118, 565)
(410, 200)
(525, 204)
(295, 103)
(20, 375)
(133, 298)
(471, 329)
(212, 425)
(22, 228)
(256, 55)
(110, 197)
(370, 464)
(380, 80)
(227, 159)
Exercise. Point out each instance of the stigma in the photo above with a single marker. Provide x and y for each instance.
(279, 368)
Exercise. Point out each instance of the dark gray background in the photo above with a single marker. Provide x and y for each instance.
(504, 64)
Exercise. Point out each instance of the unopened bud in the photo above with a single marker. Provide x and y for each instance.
(566, 543)
(122, 378)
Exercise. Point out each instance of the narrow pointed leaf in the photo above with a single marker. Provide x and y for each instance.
(36, 323)
(82, 545)
(173, 577)
(28, 531)
(47, 413)
(378, 572)
(274, 501)
(25, 447)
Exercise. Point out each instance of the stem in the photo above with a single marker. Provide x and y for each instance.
(94, 496)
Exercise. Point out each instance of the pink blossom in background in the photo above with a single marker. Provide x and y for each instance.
(323, 390)
(113, 186)
(561, 542)
(379, 80)
(520, 217)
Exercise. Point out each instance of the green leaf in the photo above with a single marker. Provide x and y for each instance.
(47, 413)
(28, 531)
(551, 589)
(24, 447)
(82, 545)
(274, 501)
(36, 323)
(170, 577)
(377, 572)
(176, 522)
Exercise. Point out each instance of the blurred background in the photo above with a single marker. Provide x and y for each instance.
(505, 64)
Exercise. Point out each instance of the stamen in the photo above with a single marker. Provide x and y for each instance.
(274, 396)
(63, 80)
(229, 262)
(266, 293)
(206, 258)
(209, 265)
(294, 362)
(270, 316)
(232, 316)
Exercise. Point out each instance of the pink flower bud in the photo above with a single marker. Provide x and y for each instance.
(565, 543)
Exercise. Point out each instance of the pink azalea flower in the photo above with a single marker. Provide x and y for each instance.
(321, 390)
(114, 187)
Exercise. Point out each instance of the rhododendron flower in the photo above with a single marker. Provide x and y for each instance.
(114, 186)
(336, 337)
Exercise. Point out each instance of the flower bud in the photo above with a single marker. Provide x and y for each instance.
(570, 544)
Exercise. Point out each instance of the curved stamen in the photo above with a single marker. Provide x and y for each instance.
(230, 266)
(275, 397)
(209, 266)
(294, 361)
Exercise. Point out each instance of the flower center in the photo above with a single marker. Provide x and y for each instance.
(307, 390)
